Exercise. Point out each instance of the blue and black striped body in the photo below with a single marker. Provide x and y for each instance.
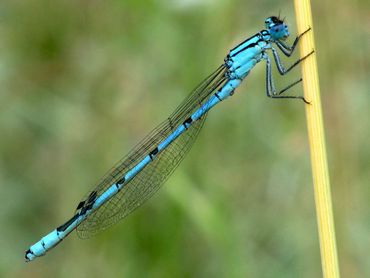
(137, 176)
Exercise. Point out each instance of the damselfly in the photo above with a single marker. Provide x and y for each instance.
(140, 174)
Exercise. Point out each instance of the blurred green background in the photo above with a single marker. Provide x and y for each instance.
(83, 81)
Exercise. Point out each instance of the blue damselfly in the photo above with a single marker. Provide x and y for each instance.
(145, 168)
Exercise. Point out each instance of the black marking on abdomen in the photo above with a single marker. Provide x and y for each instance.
(80, 205)
(28, 252)
(63, 227)
(187, 122)
(217, 96)
(88, 204)
(121, 181)
(153, 153)
(86, 208)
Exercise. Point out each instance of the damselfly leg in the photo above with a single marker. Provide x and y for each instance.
(270, 87)
(288, 50)
(281, 67)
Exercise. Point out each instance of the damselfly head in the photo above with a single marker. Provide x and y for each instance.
(277, 28)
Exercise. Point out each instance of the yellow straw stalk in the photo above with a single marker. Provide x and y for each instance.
(316, 139)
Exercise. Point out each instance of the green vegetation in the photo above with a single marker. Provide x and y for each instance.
(83, 81)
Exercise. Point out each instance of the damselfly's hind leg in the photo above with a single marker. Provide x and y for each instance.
(288, 50)
(270, 87)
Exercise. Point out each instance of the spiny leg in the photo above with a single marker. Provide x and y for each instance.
(288, 50)
(290, 86)
(281, 67)
(270, 87)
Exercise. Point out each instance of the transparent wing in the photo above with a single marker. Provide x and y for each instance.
(149, 180)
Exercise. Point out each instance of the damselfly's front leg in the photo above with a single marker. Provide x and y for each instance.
(270, 87)
(280, 66)
(288, 50)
